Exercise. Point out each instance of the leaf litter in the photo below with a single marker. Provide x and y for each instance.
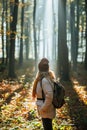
(18, 109)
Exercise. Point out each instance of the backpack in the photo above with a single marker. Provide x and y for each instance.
(58, 94)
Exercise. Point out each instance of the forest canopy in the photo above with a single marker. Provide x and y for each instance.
(33, 29)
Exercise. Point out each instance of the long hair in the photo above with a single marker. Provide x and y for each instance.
(39, 76)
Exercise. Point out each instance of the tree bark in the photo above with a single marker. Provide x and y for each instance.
(63, 65)
(86, 36)
(14, 12)
(34, 29)
(21, 40)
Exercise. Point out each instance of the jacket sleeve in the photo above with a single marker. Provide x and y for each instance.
(48, 91)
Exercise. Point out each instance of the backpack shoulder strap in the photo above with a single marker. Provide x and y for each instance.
(43, 95)
(50, 82)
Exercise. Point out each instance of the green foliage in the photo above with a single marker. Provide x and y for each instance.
(32, 114)
(61, 126)
(35, 125)
(55, 124)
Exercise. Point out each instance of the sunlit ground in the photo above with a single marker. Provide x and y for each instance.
(81, 91)
(19, 110)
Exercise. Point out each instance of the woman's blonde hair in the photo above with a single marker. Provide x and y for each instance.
(39, 76)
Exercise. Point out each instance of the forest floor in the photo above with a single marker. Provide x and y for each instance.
(18, 109)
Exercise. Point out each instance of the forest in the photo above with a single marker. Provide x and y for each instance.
(29, 31)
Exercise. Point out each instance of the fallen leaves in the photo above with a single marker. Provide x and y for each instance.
(18, 110)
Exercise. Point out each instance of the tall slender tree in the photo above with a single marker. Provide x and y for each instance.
(21, 39)
(7, 36)
(74, 33)
(86, 36)
(3, 20)
(54, 32)
(72, 27)
(63, 65)
(34, 31)
(14, 13)
(77, 33)
(27, 39)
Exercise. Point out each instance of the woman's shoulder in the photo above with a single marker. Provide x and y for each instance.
(52, 74)
(44, 80)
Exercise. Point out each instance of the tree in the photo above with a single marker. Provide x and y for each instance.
(86, 36)
(27, 39)
(77, 32)
(7, 36)
(74, 34)
(34, 29)
(3, 14)
(21, 40)
(63, 65)
(54, 32)
(14, 12)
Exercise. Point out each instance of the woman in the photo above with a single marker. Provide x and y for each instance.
(45, 107)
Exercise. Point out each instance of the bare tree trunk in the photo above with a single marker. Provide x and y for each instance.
(54, 32)
(7, 37)
(27, 40)
(74, 36)
(86, 36)
(63, 65)
(3, 3)
(14, 13)
(34, 29)
(21, 40)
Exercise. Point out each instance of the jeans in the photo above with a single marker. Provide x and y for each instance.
(47, 124)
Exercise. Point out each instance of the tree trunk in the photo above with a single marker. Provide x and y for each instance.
(86, 36)
(7, 37)
(21, 40)
(27, 39)
(54, 32)
(74, 36)
(3, 3)
(34, 29)
(13, 24)
(63, 65)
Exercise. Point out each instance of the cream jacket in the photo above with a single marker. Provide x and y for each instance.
(46, 108)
